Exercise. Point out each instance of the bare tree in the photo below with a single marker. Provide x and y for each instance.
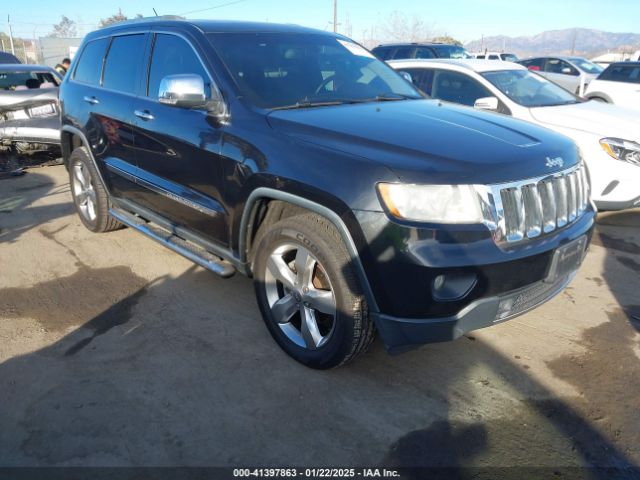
(66, 28)
(118, 17)
(401, 28)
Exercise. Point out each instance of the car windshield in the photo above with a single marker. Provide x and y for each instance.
(282, 70)
(25, 80)
(528, 89)
(587, 66)
(452, 51)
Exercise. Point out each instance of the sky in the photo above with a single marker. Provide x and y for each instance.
(465, 20)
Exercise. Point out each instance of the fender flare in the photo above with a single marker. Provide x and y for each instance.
(333, 217)
(85, 143)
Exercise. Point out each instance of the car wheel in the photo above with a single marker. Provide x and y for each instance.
(309, 294)
(89, 194)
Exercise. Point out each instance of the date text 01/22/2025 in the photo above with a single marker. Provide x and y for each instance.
(315, 473)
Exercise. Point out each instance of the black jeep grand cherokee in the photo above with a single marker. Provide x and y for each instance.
(296, 157)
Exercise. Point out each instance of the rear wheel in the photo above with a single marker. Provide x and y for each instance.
(309, 294)
(89, 194)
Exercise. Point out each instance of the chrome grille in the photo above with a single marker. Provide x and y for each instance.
(533, 207)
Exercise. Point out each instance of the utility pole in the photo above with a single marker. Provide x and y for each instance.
(335, 16)
(13, 50)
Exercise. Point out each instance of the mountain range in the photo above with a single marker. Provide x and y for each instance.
(578, 41)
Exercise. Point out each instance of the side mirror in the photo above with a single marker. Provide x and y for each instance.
(566, 71)
(188, 91)
(407, 76)
(486, 103)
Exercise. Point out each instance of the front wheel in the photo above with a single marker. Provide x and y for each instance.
(309, 294)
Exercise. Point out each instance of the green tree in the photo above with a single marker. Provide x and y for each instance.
(447, 39)
(66, 28)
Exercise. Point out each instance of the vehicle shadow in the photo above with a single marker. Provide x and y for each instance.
(17, 198)
(181, 372)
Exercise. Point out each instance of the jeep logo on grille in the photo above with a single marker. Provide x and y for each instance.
(554, 162)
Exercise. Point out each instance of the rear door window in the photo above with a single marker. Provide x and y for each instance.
(122, 66)
(404, 52)
(172, 56)
(89, 66)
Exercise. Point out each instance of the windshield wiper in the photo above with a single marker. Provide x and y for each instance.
(308, 104)
(386, 97)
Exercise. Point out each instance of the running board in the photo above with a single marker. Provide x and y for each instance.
(179, 245)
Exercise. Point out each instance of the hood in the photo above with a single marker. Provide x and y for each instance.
(593, 117)
(426, 141)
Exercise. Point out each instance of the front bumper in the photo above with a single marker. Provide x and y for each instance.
(32, 130)
(402, 334)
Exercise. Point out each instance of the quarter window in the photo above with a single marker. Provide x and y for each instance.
(422, 78)
(90, 64)
(123, 60)
(173, 56)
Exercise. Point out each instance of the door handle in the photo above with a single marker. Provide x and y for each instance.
(143, 114)
(91, 100)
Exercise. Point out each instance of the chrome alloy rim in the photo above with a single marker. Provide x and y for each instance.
(83, 192)
(300, 296)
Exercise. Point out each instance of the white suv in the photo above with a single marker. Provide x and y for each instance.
(619, 84)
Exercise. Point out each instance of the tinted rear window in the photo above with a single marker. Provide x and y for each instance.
(90, 63)
(123, 61)
(383, 53)
(622, 73)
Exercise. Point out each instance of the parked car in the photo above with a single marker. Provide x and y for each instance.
(6, 57)
(296, 157)
(608, 136)
(507, 57)
(419, 50)
(29, 113)
(571, 73)
(619, 83)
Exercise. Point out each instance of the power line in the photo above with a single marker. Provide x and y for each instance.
(212, 8)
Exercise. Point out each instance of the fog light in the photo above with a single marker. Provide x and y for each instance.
(450, 287)
(505, 307)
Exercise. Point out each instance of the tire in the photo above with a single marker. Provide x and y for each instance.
(90, 196)
(326, 292)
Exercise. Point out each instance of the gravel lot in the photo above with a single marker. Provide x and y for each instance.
(115, 351)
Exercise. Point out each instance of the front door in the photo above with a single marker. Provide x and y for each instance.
(178, 149)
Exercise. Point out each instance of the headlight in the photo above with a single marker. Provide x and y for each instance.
(622, 149)
(432, 203)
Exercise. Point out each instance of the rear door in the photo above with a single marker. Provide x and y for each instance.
(104, 83)
(180, 170)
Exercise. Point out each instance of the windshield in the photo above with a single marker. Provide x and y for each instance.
(26, 80)
(587, 66)
(528, 89)
(281, 70)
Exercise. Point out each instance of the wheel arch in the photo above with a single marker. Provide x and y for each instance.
(291, 204)
(72, 138)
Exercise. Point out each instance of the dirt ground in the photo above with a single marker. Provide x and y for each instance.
(117, 352)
